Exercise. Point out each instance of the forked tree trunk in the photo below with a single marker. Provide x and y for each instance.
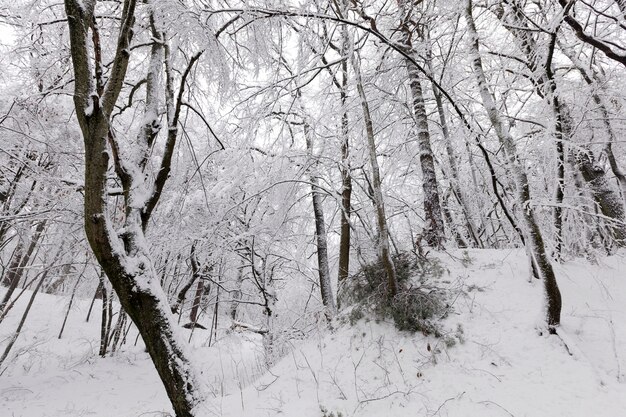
(535, 238)
(125, 257)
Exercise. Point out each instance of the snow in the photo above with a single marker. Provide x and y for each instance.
(506, 366)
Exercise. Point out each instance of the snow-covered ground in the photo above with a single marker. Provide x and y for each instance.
(506, 366)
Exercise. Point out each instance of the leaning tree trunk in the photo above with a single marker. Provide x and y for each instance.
(535, 238)
(124, 255)
(383, 231)
(19, 263)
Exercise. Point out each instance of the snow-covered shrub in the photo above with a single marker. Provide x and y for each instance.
(418, 310)
(417, 307)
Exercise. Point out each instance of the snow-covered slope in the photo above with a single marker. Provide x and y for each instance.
(506, 366)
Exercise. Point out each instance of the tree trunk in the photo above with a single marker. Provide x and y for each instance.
(320, 232)
(542, 77)
(610, 205)
(383, 231)
(594, 81)
(535, 238)
(236, 297)
(433, 234)
(346, 178)
(125, 256)
(454, 170)
(7, 350)
(20, 262)
(197, 275)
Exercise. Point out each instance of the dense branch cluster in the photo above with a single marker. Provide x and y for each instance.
(227, 166)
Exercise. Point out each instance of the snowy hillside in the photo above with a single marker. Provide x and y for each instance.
(506, 365)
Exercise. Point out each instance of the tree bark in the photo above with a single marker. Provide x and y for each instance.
(124, 257)
(346, 178)
(320, 232)
(434, 233)
(610, 205)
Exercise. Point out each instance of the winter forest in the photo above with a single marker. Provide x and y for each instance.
(313, 208)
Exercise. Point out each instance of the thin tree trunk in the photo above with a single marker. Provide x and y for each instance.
(69, 306)
(320, 232)
(18, 266)
(346, 178)
(104, 318)
(236, 297)
(7, 350)
(118, 329)
(200, 290)
(433, 234)
(180, 298)
(593, 80)
(93, 300)
(383, 232)
(535, 239)
(542, 76)
(454, 170)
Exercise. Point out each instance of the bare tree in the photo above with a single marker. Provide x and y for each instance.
(123, 254)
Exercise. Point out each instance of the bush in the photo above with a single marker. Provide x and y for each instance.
(418, 305)
(418, 310)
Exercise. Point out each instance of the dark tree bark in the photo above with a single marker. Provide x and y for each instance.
(124, 257)
(182, 294)
(320, 232)
(579, 31)
(346, 178)
(434, 233)
(610, 205)
(198, 276)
